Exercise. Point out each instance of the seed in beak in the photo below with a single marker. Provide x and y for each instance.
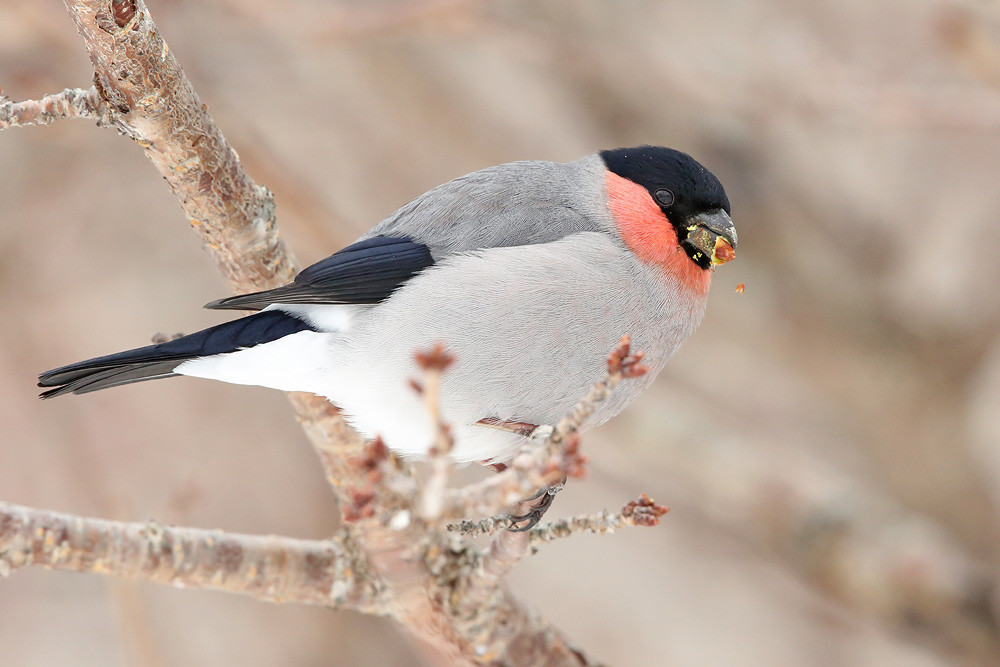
(723, 252)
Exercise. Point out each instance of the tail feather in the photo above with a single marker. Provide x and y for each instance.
(113, 377)
(153, 362)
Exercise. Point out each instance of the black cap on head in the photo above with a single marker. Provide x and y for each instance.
(675, 180)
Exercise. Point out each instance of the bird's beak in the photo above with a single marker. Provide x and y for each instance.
(713, 234)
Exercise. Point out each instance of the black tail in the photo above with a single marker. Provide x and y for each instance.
(159, 361)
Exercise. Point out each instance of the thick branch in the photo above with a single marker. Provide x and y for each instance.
(446, 597)
(150, 99)
(70, 103)
(275, 569)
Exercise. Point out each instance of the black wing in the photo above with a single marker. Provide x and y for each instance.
(365, 272)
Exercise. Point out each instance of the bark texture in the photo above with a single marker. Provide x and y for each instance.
(272, 568)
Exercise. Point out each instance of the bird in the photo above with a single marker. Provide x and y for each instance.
(528, 273)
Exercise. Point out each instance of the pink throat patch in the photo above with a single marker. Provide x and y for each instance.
(647, 232)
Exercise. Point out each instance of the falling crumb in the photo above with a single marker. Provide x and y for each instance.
(740, 288)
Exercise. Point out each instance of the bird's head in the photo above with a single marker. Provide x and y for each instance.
(669, 210)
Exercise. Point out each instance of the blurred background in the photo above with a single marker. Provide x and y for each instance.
(829, 440)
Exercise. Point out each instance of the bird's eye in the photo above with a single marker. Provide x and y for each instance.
(664, 197)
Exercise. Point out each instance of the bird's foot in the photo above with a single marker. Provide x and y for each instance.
(538, 505)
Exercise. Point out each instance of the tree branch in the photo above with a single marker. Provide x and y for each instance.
(275, 569)
(641, 512)
(70, 103)
(151, 100)
(148, 98)
(393, 556)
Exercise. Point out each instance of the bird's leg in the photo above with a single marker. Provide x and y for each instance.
(537, 505)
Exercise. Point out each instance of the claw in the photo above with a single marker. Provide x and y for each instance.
(532, 517)
(542, 501)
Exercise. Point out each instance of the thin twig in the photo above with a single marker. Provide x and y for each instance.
(557, 457)
(537, 466)
(641, 512)
(70, 103)
(551, 453)
(434, 363)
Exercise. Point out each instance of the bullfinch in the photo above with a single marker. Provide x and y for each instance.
(528, 273)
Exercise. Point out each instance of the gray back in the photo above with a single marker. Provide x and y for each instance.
(523, 202)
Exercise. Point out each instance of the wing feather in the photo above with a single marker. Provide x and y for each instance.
(366, 272)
